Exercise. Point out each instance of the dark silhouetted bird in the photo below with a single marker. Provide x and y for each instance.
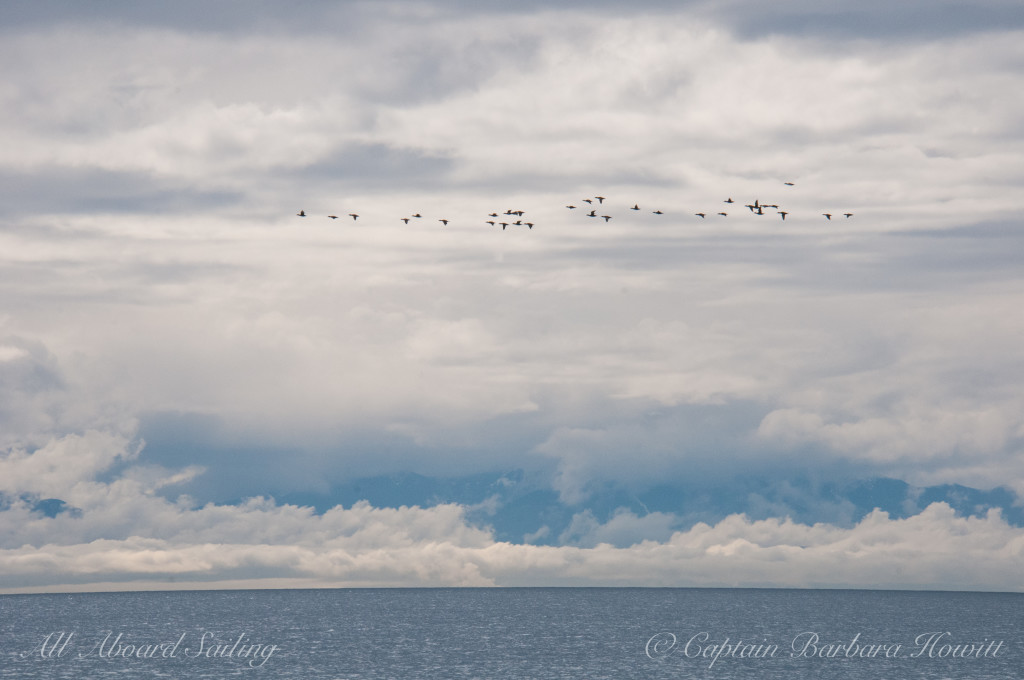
(636, 206)
(301, 213)
(847, 215)
(405, 219)
(783, 213)
(724, 214)
(828, 216)
(606, 217)
(600, 199)
(592, 213)
(571, 207)
(700, 215)
(417, 215)
(728, 200)
(333, 217)
(443, 221)
(658, 212)
(788, 184)
(353, 216)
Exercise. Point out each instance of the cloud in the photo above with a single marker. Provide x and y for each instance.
(122, 532)
(155, 271)
(226, 17)
(32, 387)
(488, 101)
(623, 529)
(916, 19)
(413, 546)
(63, 466)
(99, 191)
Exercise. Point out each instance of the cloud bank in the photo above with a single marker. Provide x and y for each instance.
(122, 533)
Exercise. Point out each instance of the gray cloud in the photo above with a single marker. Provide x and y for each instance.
(912, 19)
(93, 190)
(916, 19)
(229, 16)
(362, 167)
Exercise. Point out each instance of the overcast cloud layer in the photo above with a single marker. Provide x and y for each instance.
(199, 388)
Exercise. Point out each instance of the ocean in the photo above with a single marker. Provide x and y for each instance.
(522, 633)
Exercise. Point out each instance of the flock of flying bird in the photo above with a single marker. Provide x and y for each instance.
(497, 219)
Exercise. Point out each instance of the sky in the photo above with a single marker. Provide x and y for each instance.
(200, 388)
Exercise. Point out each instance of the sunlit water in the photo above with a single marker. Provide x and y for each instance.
(514, 633)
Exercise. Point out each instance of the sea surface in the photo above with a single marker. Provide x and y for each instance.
(522, 633)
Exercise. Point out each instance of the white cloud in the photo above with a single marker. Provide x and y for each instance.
(126, 534)
(413, 546)
(59, 468)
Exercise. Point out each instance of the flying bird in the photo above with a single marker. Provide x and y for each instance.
(490, 222)
(503, 225)
(724, 214)
(353, 216)
(600, 199)
(530, 225)
(417, 215)
(301, 213)
(587, 200)
(658, 212)
(783, 213)
(701, 215)
(405, 219)
(788, 184)
(592, 213)
(636, 206)
(728, 200)
(847, 215)
(828, 216)
(333, 217)
(571, 207)
(443, 221)
(606, 217)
